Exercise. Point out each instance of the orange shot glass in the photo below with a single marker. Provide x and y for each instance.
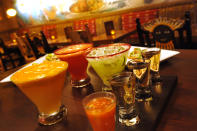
(100, 108)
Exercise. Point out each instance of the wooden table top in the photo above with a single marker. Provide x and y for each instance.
(18, 113)
(180, 114)
(61, 40)
(119, 34)
(101, 38)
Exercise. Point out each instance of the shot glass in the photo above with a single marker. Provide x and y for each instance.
(141, 70)
(154, 55)
(100, 108)
(123, 85)
(43, 85)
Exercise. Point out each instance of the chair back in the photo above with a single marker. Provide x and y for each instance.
(86, 35)
(67, 31)
(25, 49)
(80, 36)
(143, 36)
(163, 30)
(1, 52)
(109, 26)
(133, 20)
(45, 43)
(3, 46)
(80, 25)
(186, 42)
(1, 66)
(163, 35)
(33, 46)
(75, 37)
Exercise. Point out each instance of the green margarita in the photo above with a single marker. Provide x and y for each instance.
(108, 60)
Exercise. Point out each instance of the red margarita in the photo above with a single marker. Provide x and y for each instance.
(75, 55)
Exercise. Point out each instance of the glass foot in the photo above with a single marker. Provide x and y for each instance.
(156, 77)
(80, 83)
(53, 118)
(128, 116)
(143, 95)
(130, 122)
(147, 97)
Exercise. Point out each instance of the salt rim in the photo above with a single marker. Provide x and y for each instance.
(111, 50)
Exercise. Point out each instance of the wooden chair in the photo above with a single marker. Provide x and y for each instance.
(80, 36)
(47, 47)
(109, 26)
(163, 32)
(10, 57)
(67, 31)
(130, 21)
(143, 36)
(86, 35)
(1, 66)
(186, 42)
(33, 43)
(157, 31)
(1, 63)
(81, 25)
(25, 49)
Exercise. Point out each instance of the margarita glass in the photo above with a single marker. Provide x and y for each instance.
(75, 55)
(108, 60)
(43, 84)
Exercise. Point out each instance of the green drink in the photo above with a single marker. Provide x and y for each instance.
(108, 60)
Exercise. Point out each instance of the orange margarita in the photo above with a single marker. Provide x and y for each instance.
(42, 84)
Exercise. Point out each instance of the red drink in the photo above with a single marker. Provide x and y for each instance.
(75, 55)
(100, 109)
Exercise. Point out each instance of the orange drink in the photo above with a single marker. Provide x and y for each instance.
(100, 108)
(75, 55)
(43, 84)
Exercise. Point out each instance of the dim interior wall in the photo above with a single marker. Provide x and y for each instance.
(172, 12)
(177, 11)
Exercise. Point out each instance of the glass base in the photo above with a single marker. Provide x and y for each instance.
(80, 83)
(128, 117)
(155, 77)
(53, 118)
(143, 94)
(157, 86)
(129, 122)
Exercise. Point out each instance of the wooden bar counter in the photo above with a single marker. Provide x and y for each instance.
(18, 113)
